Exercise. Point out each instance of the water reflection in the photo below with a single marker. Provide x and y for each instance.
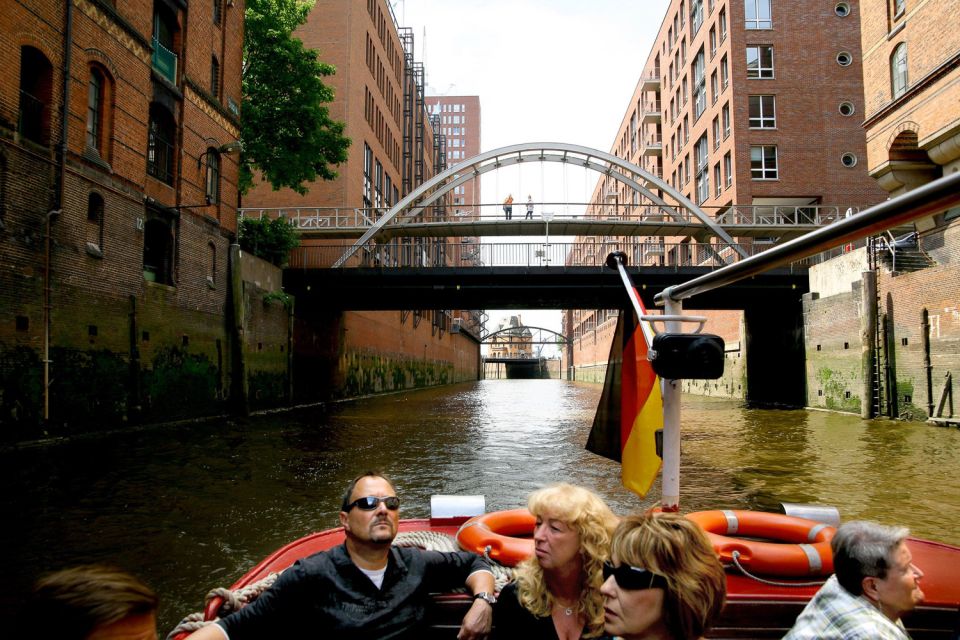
(194, 507)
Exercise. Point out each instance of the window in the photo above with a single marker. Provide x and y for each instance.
(848, 159)
(378, 185)
(158, 244)
(728, 167)
(367, 175)
(725, 114)
(165, 31)
(724, 72)
(898, 70)
(696, 16)
(842, 9)
(847, 108)
(212, 177)
(717, 184)
(211, 265)
(36, 82)
(763, 162)
(760, 61)
(713, 42)
(160, 144)
(763, 113)
(214, 77)
(714, 87)
(94, 109)
(702, 169)
(723, 24)
(898, 7)
(716, 132)
(94, 232)
(844, 59)
(387, 191)
(757, 13)
(699, 84)
(217, 11)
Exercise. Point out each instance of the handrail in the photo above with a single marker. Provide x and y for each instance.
(929, 199)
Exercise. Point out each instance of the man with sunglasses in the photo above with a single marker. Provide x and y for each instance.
(365, 588)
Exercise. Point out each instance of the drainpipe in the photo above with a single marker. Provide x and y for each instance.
(58, 205)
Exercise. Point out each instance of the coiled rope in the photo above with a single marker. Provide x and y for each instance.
(234, 600)
(775, 583)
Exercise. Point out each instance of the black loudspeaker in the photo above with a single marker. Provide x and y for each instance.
(687, 355)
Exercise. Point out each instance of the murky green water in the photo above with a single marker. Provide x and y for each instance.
(193, 507)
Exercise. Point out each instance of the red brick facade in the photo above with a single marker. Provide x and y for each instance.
(139, 244)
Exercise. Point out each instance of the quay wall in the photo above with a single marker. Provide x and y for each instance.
(832, 328)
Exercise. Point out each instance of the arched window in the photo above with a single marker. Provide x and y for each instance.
(95, 214)
(95, 109)
(212, 268)
(898, 70)
(160, 144)
(213, 176)
(36, 81)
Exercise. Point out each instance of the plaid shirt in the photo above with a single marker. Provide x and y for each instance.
(835, 614)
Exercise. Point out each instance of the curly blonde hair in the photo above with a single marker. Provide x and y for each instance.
(677, 548)
(594, 523)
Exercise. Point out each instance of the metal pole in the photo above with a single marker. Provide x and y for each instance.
(670, 389)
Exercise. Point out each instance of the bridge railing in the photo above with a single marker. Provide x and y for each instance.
(403, 253)
(329, 218)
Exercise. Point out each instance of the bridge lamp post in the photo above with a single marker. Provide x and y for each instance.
(547, 217)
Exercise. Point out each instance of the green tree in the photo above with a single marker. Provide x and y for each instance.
(271, 240)
(288, 134)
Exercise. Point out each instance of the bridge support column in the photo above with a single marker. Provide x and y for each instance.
(775, 353)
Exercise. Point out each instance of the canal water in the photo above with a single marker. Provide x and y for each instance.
(192, 507)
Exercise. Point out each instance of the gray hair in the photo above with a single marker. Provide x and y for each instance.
(864, 549)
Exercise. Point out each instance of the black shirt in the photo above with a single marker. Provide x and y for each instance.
(326, 596)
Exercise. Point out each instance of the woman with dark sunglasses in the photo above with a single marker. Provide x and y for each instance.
(664, 581)
(556, 594)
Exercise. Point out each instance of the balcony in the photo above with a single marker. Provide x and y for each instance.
(653, 146)
(650, 80)
(164, 61)
(651, 112)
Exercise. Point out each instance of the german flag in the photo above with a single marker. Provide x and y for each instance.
(630, 409)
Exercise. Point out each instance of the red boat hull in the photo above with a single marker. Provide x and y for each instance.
(753, 610)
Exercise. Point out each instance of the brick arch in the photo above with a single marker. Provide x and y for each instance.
(98, 57)
(903, 143)
(42, 44)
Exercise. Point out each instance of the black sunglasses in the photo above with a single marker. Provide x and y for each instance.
(633, 578)
(369, 503)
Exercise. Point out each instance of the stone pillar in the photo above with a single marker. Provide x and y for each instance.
(868, 340)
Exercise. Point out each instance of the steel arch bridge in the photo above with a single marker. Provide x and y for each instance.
(632, 175)
(559, 338)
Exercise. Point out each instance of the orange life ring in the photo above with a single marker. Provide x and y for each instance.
(497, 530)
(808, 555)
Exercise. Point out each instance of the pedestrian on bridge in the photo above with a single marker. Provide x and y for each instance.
(529, 207)
(508, 206)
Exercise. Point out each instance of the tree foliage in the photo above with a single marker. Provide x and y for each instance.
(288, 134)
(271, 240)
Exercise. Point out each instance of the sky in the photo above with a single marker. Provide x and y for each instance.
(545, 71)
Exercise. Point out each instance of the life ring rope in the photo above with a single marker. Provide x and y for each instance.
(802, 546)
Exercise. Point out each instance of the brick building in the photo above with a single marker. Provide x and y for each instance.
(911, 67)
(397, 145)
(118, 172)
(725, 113)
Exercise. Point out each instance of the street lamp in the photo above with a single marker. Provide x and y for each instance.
(547, 217)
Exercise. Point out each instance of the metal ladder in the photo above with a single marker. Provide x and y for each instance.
(878, 370)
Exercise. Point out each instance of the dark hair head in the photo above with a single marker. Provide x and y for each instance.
(70, 604)
(353, 484)
(862, 549)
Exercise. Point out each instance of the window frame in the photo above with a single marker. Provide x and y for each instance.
(757, 22)
(760, 72)
(764, 172)
(899, 71)
(761, 120)
(212, 175)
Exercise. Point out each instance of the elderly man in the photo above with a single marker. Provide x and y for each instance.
(91, 602)
(875, 582)
(365, 588)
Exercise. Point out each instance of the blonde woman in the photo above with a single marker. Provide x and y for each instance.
(664, 581)
(556, 594)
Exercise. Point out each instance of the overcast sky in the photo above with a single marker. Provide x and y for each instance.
(545, 71)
